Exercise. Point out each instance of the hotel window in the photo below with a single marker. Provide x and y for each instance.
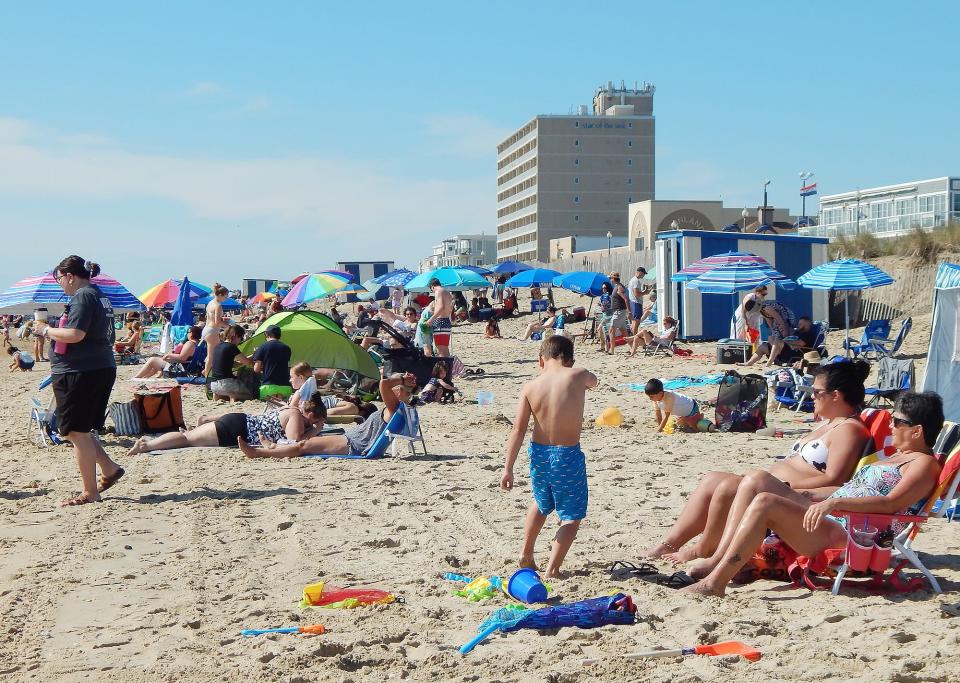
(576, 199)
(629, 181)
(576, 143)
(576, 162)
(956, 201)
(629, 162)
(576, 218)
(576, 124)
(577, 180)
(629, 200)
(629, 143)
(629, 125)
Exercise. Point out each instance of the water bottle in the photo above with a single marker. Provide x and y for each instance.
(60, 347)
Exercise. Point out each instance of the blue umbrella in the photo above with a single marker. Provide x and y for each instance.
(376, 291)
(227, 304)
(479, 270)
(582, 282)
(508, 267)
(533, 276)
(395, 278)
(844, 275)
(738, 276)
(452, 279)
(732, 227)
(183, 309)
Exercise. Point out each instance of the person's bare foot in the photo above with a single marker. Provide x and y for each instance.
(682, 556)
(247, 449)
(527, 563)
(552, 574)
(657, 551)
(701, 568)
(701, 588)
(82, 499)
(141, 445)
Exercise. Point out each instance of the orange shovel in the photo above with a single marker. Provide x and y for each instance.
(730, 647)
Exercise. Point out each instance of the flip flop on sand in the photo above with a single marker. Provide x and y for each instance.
(107, 482)
(951, 610)
(675, 580)
(639, 571)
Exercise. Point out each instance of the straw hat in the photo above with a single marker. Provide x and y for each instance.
(812, 357)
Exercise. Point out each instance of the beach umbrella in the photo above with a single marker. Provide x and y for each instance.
(352, 288)
(349, 277)
(44, 289)
(582, 282)
(738, 276)
(183, 310)
(732, 227)
(452, 279)
(479, 270)
(167, 292)
(315, 286)
(297, 278)
(375, 291)
(844, 275)
(263, 296)
(395, 278)
(315, 339)
(651, 275)
(698, 268)
(510, 267)
(533, 277)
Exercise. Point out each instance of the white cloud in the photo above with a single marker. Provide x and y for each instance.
(206, 89)
(465, 134)
(335, 198)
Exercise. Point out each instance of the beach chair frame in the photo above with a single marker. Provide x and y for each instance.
(411, 434)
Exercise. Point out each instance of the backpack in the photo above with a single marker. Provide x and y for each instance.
(741, 403)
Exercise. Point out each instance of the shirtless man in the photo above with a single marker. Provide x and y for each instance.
(558, 473)
(440, 320)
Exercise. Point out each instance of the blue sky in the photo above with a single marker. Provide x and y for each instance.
(229, 140)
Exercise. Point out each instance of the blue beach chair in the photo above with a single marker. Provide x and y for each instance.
(875, 329)
(403, 425)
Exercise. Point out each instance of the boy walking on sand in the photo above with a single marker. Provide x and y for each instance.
(558, 472)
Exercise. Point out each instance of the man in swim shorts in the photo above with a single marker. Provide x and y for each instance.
(440, 320)
(558, 473)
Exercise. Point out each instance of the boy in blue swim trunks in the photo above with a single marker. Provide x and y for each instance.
(558, 473)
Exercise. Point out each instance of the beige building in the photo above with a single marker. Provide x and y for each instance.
(647, 218)
(575, 174)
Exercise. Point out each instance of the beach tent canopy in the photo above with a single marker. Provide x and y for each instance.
(452, 279)
(942, 374)
(315, 339)
(25, 295)
(533, 277)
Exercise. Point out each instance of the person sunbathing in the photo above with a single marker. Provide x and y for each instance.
(825, 457)
(225, 430)
(804, 520)
(155, 367)
(395, 390)
(304, 384)
(540, 326)
(133, 337)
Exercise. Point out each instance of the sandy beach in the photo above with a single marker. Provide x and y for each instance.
(192, 546)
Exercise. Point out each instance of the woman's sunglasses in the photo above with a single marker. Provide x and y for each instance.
(901, 421)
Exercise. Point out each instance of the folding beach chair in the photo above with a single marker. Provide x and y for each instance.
(42, 428)
(879, 346)
(893, 378)
(794, 390)
(404, 425)
(875, 329)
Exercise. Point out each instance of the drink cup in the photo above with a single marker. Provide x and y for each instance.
(525, 585)
(860, 548)
(865, 536)
(880, 559)
(39, 316)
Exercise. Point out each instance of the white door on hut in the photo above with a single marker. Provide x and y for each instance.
(942, 373)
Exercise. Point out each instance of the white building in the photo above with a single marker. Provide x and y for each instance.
(461, 250)
(890, 210)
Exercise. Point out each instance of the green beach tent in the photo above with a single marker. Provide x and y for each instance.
(315, 339)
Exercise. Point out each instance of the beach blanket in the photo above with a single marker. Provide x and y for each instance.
(681, 382)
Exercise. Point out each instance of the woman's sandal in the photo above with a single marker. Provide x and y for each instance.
(675, 580)
(639, 571)
(951, 610)
(79, 500)
(107, 482)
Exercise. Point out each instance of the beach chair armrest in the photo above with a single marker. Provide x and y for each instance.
(343, 419)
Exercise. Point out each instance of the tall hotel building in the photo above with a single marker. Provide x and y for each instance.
(559, 176)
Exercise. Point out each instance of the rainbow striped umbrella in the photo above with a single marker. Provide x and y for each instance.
(315, 286)
(44, 289)
(166, 293)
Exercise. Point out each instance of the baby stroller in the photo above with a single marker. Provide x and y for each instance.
(42, 430)
(409, 358)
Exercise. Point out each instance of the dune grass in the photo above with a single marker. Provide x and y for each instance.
(924, 246)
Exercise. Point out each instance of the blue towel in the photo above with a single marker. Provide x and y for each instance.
(681, 382)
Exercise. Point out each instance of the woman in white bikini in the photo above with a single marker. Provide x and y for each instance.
(825, 457)
(214, 324)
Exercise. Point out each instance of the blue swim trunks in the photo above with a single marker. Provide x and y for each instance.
(558, 476)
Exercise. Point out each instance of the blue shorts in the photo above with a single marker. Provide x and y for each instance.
(558, 476)
(636, 309)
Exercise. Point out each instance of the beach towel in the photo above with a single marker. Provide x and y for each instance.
(681, 382)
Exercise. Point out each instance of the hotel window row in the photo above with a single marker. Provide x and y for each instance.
(516, 206)
(515, 241)
(516, 154)
(516, 137)
(519, 187)
(519, 170)
(518, 223)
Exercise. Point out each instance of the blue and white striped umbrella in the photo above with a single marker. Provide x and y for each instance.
(844, 275)
(948, 276)
(738, 276)
(395, 278)
(847, 274)
(533, 276)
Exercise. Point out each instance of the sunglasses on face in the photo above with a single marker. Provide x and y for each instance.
(900, 421)
(817, 393)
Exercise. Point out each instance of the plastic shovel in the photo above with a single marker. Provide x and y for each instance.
(730, 647)
(315, 629)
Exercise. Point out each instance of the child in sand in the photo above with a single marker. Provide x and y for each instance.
(19, 360)
(558, 472)
(667, 403)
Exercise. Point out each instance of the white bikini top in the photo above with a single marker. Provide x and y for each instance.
(815, 452)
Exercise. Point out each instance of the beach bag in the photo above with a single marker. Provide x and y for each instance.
(161, 408)
(741, 403)
(127, 419)
(772, 562)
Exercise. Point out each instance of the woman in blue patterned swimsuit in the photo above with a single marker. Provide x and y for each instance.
(890, 486)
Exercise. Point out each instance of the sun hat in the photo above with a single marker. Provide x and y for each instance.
(812, 357)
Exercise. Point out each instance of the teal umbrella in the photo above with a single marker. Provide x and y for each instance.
(452, 279)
